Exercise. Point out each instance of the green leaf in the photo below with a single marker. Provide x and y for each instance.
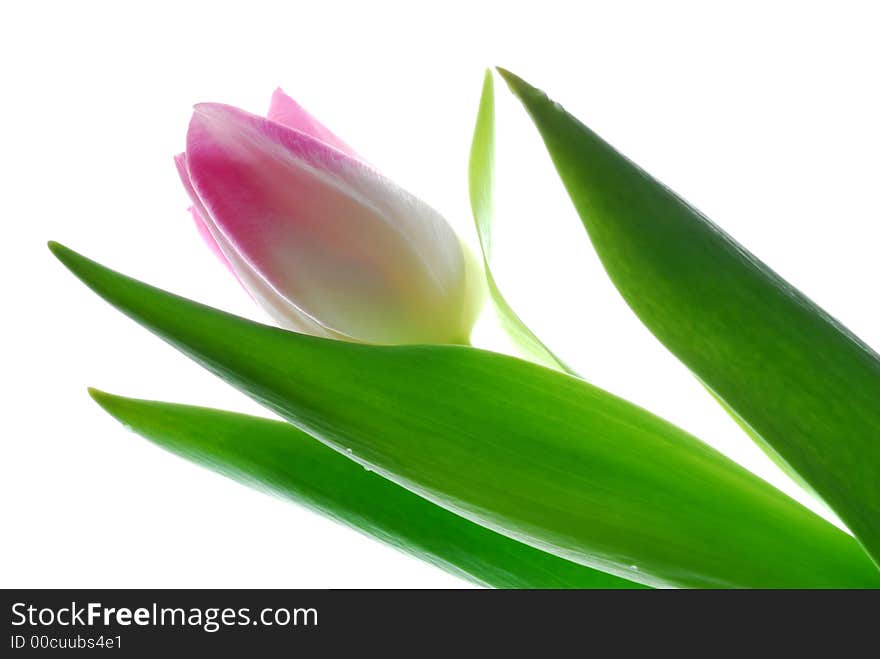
(794, 376)
(481, 179)
(537, 455)
(276, 457)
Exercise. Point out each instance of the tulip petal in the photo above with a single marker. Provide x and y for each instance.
(287, 112)
(328, 233)
(204, 231)
(280, 310)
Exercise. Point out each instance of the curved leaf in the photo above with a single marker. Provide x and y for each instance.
(276, 457)
(481, 184)
(537, 455)
(800, 381)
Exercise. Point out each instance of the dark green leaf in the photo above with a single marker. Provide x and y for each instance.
(800, 381)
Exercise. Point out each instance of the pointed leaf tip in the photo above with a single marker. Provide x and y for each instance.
(110, 403)
(512, 80)
(67, 256)
(100, 397)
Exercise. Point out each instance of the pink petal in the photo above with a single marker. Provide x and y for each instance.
(277, 307)
(328, 233)
(204, 232)
(287, 112)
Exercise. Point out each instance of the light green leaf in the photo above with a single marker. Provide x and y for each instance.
(276, 457)
(537, 455)
(481, 178)
(795, 377)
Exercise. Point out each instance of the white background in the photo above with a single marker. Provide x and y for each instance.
(764, 115)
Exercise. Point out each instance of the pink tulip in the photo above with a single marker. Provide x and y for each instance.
(321, 240)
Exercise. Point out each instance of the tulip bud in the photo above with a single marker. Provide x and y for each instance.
(322, 241)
